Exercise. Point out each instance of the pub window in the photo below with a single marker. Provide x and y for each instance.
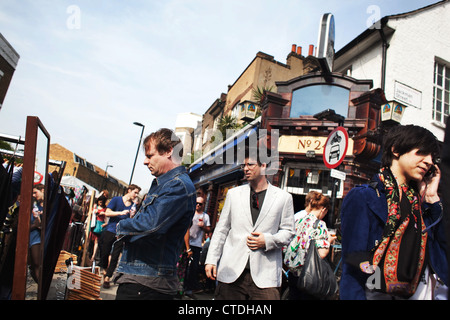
(441, 92)
(301, 181)
(313, 99)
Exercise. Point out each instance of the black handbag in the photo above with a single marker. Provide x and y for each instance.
(317, 278)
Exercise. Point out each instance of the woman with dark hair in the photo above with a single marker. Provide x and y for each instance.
(35, 230)
(392, 235)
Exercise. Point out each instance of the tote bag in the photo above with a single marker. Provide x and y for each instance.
(317, 278)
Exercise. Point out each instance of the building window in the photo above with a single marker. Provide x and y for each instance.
(235, 111)
(205, 135)
(79, 160)
(90, 166)
(316, 98)
(441, 92)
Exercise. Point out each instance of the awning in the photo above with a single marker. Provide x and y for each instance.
(70, 181)
(227, 144)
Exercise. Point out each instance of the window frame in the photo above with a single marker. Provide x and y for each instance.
(441, 91)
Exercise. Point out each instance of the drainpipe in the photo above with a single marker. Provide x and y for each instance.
(385, 46)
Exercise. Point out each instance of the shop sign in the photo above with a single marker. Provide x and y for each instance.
(303, 144)
(407, 95)
(341, 175)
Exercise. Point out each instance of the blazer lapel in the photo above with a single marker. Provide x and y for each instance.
(245, 202)
(269, 199)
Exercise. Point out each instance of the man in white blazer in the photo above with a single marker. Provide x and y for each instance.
(245, 253)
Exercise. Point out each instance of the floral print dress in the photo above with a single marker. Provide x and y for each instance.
(295, 253)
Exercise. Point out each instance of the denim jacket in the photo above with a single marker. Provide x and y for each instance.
(153, 238)
(363, 217)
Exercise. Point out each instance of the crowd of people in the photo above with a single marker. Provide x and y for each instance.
(392, 232)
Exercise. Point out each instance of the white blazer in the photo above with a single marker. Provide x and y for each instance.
(228, 248)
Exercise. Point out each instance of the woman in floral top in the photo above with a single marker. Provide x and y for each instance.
(295, 253)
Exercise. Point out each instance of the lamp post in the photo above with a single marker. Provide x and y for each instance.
(106, 176)
(139, 145)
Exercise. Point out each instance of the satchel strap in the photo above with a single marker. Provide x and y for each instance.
(316, 224)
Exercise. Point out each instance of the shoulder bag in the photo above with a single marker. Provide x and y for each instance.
(317, 278)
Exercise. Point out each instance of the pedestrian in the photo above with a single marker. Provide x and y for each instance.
(97, 229)
(295, 253)
(35, 231)
(393, 236)
(292, 278)
(117, 209)
(153, 239)
(200, 225)
(257, 220)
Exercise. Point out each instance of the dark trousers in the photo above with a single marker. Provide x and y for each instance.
(109, 246)
(191, 282)
(135, 291)
(245, 289)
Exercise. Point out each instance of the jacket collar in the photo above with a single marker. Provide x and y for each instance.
(377, 201)
(169, 175)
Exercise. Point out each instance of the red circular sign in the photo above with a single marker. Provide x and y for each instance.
(335, 148)
(38, 177)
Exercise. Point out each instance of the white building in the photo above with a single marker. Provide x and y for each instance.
(185, 125)
(408, 56)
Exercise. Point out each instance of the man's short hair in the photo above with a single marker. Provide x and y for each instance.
(403, 139)
(165, 140)
(131, 187)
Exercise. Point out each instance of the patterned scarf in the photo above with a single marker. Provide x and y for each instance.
(401, 230)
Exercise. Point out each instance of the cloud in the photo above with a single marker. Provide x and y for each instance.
(147, 61)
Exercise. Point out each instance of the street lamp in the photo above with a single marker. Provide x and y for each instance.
(105, 183)
(106, 170)
(392, 112)
(330, 115)
(139, 145)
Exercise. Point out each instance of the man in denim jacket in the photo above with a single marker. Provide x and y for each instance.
(153, 238)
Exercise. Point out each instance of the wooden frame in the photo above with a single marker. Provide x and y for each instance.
(26, 194)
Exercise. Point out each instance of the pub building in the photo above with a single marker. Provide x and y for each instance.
(292, 113)
(296, 122)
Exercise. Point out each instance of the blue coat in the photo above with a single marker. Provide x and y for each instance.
(363, 217)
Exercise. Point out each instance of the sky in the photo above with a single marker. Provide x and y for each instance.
(90, 68)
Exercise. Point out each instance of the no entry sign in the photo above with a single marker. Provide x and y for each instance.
(335, 148)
